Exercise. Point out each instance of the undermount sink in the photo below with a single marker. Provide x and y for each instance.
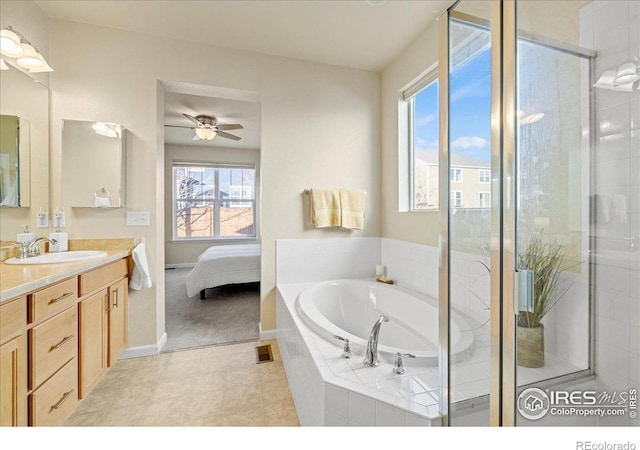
(59, 257)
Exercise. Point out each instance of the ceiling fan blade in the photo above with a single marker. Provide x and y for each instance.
(180, 126)
(193, 119)
(229, 126)
(228, 136)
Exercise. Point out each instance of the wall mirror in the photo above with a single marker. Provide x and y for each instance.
(24, 151)
(93, 164)
(15, 161)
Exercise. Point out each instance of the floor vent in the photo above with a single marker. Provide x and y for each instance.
(264, 354)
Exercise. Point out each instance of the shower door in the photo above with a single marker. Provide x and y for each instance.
(515, 156)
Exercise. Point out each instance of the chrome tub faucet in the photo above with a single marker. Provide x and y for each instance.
(371, 353)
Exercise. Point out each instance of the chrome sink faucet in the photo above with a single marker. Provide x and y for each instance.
(371, 353)
(34, 250)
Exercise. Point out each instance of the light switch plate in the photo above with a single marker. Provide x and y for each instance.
(138, 219)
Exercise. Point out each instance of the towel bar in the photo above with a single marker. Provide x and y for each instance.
(308, 191)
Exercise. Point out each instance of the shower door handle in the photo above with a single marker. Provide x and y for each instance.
(524, 291)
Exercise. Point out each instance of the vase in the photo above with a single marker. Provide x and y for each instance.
(530, 344)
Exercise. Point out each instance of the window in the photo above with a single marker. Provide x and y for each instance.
(456, 199)
(213, 202)
(484, 176)
(484, 199)
(456, 175)
(422, 98)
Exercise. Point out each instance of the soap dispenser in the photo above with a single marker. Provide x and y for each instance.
(26, 237)
(61, 241)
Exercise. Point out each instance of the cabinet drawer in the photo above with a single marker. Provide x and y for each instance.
(53, 299)
(51, 345)
(55, 400)
(102, 276)
(13, 317)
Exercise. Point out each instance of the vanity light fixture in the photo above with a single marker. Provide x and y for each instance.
(15, 45)
(206, 134)
(621, 79)
(3, 65)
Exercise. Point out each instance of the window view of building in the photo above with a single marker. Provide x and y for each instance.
(470, 174)
(213, 202)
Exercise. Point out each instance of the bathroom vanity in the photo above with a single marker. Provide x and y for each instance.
(61, 327)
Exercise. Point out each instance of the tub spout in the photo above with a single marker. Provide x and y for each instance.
(371, 354)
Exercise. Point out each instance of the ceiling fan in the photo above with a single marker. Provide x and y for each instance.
(207, 128)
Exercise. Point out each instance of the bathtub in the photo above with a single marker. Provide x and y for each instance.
(349, 308)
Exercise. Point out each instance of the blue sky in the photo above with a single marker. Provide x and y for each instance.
(470, 109)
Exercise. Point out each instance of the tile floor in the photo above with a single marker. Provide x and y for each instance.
(211, 386)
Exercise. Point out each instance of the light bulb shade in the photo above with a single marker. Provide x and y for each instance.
(3, 65)
(10, 44)
(533, 118)
(111, 130)
(31, 58)
(44, 68)
(205, 134)
(606, 80)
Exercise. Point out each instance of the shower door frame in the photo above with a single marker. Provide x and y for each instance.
(503, 314)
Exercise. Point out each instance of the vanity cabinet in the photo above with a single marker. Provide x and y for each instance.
(53, 351)
(93, 316)
(102, 321)
(13, 363)
(56, 343)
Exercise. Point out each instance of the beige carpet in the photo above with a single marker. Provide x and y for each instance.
(228, 313)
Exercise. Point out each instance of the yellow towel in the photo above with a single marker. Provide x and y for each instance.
(325, 208)
(352, 203)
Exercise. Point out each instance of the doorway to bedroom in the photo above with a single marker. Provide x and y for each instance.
(212, 217)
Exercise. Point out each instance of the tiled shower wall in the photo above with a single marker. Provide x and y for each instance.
(612, 28)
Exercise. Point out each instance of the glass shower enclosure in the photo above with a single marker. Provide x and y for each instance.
(540, 198)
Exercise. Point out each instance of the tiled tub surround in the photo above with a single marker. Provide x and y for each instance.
(313, 363)
(332, 391)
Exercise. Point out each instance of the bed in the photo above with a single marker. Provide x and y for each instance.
(224, 264)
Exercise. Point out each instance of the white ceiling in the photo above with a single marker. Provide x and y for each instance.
(245, 113)
(354, 33)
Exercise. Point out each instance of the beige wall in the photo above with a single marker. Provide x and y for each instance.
(320, 127)
(420, 226)
(188, 252)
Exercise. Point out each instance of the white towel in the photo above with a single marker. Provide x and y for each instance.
(140, 277)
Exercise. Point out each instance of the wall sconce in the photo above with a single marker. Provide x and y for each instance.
(15, 45)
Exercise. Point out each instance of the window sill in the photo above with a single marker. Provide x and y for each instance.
(228, 240)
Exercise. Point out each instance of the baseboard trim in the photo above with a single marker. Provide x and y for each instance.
(180, 266)
(144, 350)
(266, 334)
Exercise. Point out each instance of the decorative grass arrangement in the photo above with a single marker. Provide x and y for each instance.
(547, 260)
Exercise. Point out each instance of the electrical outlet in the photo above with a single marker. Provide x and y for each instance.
(138, 219)
(59, 220)
(43, 220)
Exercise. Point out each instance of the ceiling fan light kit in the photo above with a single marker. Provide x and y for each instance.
(206, 134)
(207, 127)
